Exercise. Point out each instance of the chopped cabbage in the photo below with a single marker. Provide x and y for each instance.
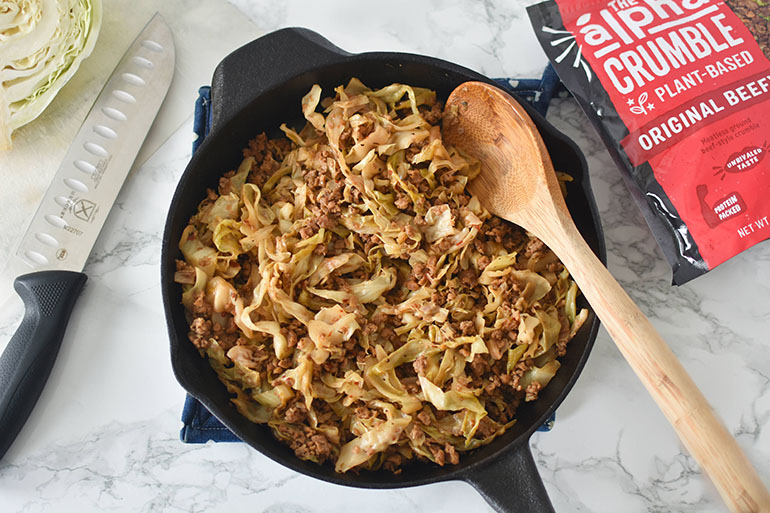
(373, 441)
(383, 324)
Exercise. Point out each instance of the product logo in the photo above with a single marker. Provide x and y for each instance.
(690, 81)
(84, 209)
(640, 105)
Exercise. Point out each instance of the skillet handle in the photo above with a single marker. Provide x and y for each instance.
(512, 484)
(266, 63)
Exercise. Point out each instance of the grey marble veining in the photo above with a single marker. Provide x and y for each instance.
(104, 436)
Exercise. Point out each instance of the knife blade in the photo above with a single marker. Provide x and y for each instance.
(71, 214)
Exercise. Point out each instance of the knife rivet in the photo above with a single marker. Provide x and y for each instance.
(61, 254)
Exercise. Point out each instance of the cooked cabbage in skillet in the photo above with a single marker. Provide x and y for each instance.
(350, 293)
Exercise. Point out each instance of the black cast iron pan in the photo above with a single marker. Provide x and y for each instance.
(255, 89)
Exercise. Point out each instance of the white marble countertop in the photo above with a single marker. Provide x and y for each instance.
(104, 435)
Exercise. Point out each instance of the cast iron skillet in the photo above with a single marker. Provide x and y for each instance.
(255, 89)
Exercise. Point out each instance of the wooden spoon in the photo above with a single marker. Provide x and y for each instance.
(517, 183)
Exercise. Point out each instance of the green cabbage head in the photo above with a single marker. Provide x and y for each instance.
(42, 43)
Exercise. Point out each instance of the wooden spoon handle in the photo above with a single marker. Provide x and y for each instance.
(668, 383)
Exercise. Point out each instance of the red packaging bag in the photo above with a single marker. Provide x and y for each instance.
(679, 91)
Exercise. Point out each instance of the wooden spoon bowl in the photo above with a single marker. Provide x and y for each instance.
(517, 182)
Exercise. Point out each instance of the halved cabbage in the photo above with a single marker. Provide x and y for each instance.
(42, 43)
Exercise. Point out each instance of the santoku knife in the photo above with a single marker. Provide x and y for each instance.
(63, 231)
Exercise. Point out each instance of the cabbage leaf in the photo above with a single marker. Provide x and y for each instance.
(42, 44)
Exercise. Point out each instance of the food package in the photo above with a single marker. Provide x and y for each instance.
(679, 91)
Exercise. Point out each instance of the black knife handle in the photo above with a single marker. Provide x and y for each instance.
(49, 297)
